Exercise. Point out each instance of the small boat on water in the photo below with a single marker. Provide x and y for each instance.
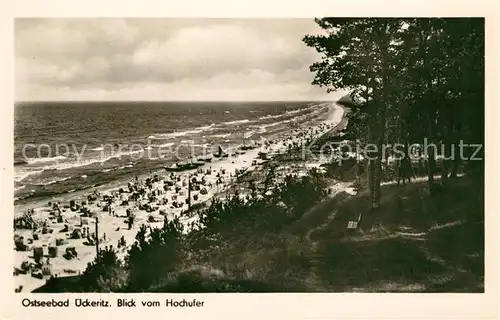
(247, 147)
(183, 166)
(221, 153)
(205, 159)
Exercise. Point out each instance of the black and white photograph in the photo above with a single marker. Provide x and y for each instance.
(249, 155)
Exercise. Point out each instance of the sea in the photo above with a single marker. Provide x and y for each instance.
(65, 147)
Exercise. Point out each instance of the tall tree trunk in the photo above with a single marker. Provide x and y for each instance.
(446, 165)
(357, 167)
(456, 152)
(407, 167)
(372, 136)
(381, 123)
(431, 160)
(371, 178)
(369, 165)
(429, 107)
(448, 141)
(399, 162)
(376, 183)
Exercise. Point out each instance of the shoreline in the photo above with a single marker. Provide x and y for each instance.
(113, 227)
(142, 166)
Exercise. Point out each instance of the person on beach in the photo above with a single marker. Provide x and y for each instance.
(130, 222)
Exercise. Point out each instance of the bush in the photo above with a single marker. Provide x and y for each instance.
(233, 227)
(151, 258)
(301, 194)
(105, 274)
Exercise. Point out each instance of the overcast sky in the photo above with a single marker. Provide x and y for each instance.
(165, 59)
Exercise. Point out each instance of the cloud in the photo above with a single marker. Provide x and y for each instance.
(159, 59)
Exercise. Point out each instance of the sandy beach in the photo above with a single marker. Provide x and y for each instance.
(62, 240)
